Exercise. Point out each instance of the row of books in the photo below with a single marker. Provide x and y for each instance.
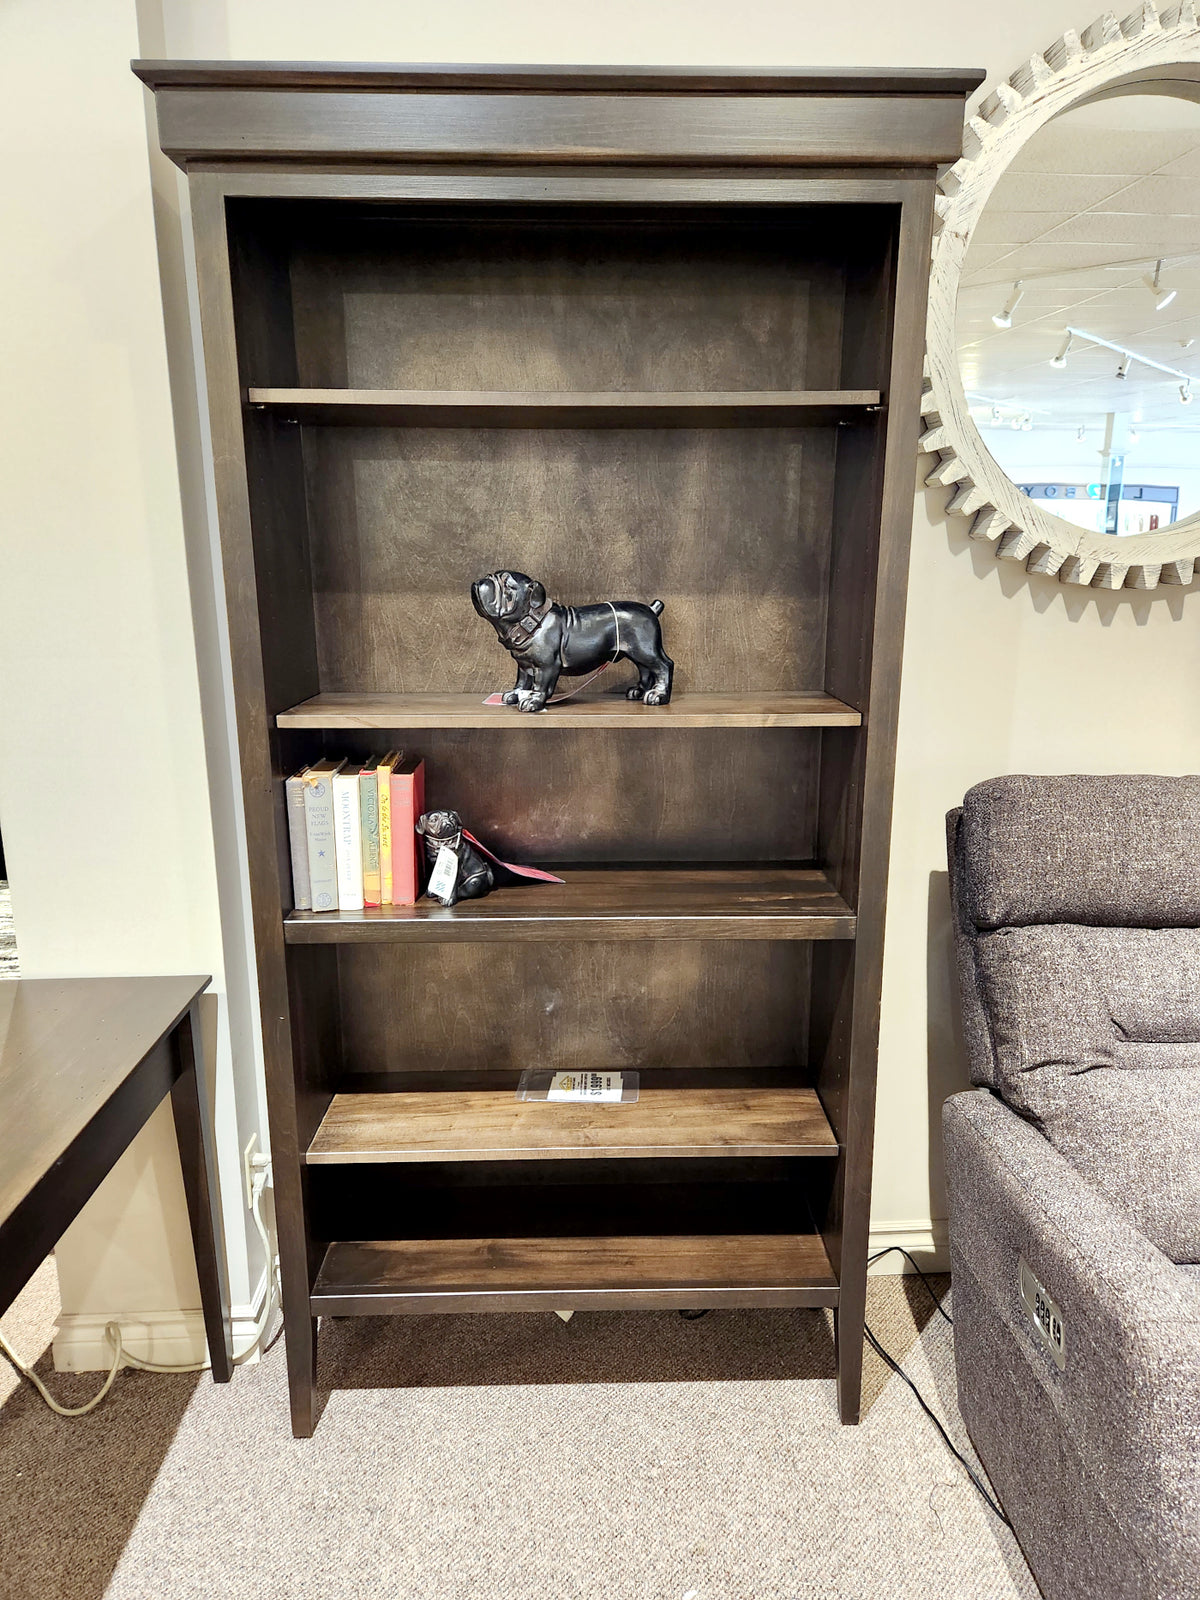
(353, 833)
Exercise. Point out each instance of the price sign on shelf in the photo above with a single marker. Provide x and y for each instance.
(585, 1086)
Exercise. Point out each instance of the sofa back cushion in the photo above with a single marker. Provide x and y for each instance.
(1115, 851)
(1095, 1038)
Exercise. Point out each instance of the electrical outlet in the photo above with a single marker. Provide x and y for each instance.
(248, 1155)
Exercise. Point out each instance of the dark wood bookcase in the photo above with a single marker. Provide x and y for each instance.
(641, 334)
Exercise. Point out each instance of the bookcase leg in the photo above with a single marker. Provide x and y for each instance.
(301, 1338)
(849, 1331)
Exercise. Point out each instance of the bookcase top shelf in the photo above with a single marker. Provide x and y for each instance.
(449, 408)
(792, 708)
(493, 1125)
(646, 902)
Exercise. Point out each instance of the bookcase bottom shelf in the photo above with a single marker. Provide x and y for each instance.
(683, 1272)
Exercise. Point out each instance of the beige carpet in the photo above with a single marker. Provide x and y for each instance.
(622, 1457)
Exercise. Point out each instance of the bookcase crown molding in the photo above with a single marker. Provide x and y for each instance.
(271, 111)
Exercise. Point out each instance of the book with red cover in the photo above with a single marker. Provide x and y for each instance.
(408, 803)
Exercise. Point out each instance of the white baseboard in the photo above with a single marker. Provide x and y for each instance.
(173, 1338)
(925, 1239)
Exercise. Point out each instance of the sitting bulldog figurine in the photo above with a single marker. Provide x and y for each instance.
(546, 640)
(473, 878)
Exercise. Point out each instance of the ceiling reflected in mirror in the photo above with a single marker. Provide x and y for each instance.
(1078, 317)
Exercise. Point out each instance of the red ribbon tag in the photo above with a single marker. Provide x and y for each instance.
(535, 873)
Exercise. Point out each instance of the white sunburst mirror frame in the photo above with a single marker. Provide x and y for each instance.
(1150, 50)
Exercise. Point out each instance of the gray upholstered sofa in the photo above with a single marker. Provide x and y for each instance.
(1074, 1173)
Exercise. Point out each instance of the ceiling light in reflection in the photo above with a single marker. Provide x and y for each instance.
(1060, 360)
(1003, 318)
(1162, 295)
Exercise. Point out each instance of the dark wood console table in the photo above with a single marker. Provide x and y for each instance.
(83, 1063)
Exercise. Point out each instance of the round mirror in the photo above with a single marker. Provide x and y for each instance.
(1064, 333)
(1079, 315)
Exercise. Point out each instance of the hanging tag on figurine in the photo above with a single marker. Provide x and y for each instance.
(444, 875)
(585, 1086)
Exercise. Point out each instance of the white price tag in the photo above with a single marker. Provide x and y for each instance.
(444, 875)
(585, 1086)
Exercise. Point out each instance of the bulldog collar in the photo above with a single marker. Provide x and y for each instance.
(514, 635)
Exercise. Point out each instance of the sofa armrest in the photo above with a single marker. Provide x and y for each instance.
(1127, 1400)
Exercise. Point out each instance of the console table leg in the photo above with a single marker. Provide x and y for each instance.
(196, 1156)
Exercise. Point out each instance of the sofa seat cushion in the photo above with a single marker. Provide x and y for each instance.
(1095, 1034)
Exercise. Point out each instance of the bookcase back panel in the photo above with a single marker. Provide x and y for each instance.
(560, 1199)
(545, 795)
(501, 1008)
(729, 528)
(620, 302)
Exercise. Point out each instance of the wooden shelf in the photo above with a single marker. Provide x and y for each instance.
(493, 1125)
(799, 708)
(632, 1273)
(658, 902)
(450, 408)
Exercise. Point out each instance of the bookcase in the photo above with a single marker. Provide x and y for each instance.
(641, 334)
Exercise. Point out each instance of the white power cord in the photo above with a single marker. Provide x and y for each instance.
(112, 1330)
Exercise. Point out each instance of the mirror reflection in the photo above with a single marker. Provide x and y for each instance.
(1079, 315)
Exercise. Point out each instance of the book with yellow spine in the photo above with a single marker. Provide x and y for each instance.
(384, 774)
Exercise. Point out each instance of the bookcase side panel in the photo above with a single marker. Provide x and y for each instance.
(878, 771)
(292, 1106)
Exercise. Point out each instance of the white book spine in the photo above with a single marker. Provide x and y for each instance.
(347, 827)
(322, 865)
(298, 840)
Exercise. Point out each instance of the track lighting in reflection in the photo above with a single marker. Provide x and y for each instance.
(1134, 436)
(1003, 319)
(1060, 360)
(1162, 295)
(1123, 369)
(1185, 393)
(1081, 434)
(997, 416)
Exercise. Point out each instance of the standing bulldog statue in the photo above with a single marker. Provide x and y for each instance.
(546, 640)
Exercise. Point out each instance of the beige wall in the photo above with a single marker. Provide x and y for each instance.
(103, 784)
(117, 871)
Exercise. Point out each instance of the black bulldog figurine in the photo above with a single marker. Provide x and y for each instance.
(473, 878)
(545, 639)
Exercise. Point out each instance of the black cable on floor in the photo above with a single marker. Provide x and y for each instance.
(900, 1372)
(957, 1454)
(929, 1289)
